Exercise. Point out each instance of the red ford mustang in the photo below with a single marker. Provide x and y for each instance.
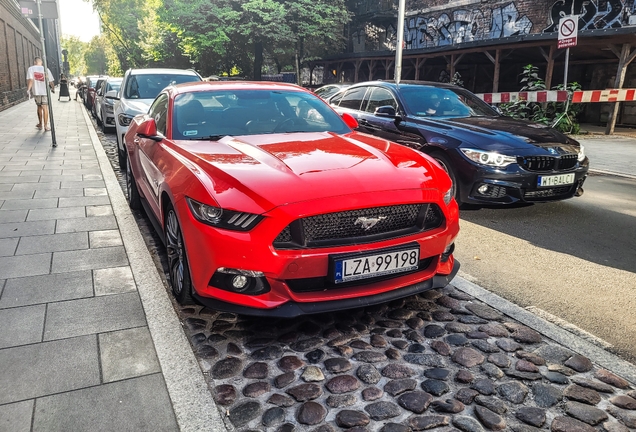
(270, 204)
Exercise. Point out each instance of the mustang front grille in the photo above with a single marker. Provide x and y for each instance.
(548, 163)
(359, 226)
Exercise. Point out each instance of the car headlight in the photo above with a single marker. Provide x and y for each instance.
(109, 109)
(581, 153)
(492, 159)
(124, 119)
(448, 196)
(222, 218)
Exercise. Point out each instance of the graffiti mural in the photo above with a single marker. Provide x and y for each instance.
(423, 31)
(593, 14)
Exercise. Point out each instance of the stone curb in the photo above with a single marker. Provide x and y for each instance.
(612, 173)
(192, 402)
(563, 337)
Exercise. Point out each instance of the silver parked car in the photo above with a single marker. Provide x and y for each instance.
(138, 90)
(104, 107)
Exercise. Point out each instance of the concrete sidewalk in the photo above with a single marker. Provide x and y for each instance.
(88, 337)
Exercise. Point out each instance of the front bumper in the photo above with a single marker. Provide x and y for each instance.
(294, 309)
(284, 270)
(516, 185)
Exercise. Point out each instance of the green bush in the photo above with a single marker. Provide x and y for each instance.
(552, 113)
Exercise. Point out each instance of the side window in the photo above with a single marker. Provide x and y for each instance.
(335, 101)
(159, 111)
(352, 99)
(380, 97)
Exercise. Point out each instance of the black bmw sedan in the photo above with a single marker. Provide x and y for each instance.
(492, 159)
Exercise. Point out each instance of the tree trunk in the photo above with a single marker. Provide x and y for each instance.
(258, 60)
(298, 58)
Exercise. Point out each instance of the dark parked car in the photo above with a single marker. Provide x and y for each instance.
(326, 91)
(492, 159)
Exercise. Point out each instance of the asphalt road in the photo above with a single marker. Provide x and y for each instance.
(574, 259)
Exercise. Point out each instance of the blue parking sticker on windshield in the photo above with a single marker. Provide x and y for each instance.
(189, 133)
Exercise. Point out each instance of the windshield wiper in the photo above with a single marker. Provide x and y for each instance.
(209, 138)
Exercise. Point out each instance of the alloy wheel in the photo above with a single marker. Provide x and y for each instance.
(174, 246)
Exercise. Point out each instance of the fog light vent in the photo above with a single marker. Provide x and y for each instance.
(247, 282)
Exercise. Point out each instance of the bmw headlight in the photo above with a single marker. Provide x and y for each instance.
(124, 119)
(222, 218)
(448, 196)
(581, 153)
(492, 159)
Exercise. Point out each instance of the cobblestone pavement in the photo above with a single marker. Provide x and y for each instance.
(441, 360)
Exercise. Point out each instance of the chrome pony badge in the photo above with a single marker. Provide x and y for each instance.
(368, 222)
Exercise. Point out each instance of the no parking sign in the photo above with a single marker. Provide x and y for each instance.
(568, 31)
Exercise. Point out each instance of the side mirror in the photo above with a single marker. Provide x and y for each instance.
(350, 120)
(496, 108)
(112, 95)
(385, 111)
(148, 129)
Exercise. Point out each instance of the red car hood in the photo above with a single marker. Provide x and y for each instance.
(278, 169)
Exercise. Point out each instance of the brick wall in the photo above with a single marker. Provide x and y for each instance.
(19, 44)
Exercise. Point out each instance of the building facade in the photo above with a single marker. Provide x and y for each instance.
(19, 45)
(489, 42)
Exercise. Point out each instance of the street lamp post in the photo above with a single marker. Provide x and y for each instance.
(400, 42)
(46, 75)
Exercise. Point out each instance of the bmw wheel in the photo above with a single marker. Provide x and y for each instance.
(177, 259)
(134, 200)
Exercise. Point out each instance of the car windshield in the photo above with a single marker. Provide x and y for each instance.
(428, 101)
(148, 86)
(113, 85)
(215, 114)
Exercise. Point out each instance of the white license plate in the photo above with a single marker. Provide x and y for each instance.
(555, 180)
(374, 265)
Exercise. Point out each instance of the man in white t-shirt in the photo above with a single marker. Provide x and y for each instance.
(37, 86)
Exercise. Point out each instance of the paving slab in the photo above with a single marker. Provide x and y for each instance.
(56, 213)
(127, 354)
(21, 325)
(87, 259)
(84, 201)
(53, 243)
(86, 224)
(47, 289)
(8, 246)
(22, 229)
(136, 404)
(93, 315)
(25, 265)
(30, 204)
(8, 216)
(107, 238)
(115, 280)
(16, 417)
(61, 365)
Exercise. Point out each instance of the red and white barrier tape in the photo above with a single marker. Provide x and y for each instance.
(581, 96)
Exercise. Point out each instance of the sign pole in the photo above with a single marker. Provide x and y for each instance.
(46, 76)
(400, 42)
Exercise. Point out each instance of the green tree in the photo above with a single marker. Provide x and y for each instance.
(76, 50)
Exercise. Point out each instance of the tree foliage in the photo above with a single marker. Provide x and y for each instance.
(222, 36)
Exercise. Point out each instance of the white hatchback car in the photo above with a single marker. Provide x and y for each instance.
(138, 90)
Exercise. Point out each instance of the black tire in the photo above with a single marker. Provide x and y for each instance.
(134, 199)
(121, 155)
(177, 259)
(443, 160)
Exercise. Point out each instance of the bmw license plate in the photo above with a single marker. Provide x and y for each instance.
(351, 267)
(555, 180)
